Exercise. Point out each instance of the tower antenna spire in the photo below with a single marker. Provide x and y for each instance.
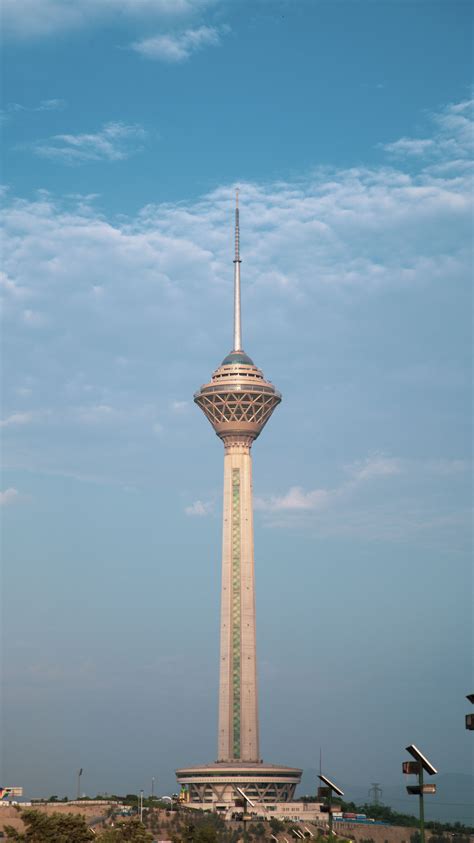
(237, 262)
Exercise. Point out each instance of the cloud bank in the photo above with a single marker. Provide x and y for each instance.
(33, 19)
(93, 305)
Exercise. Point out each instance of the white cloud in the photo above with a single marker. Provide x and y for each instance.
(295, 499)
(8, 496)
(16, 419)
(51, 105)
(455, 127)
(33, 19)
(33, 317)
(178, 47)
(121, 295)
(114, 142)
(44, 105)
(298, 237)
(376, 465)
(199, 508)
(416, 502)
(180, 406)
(410, 146)
(13, 108)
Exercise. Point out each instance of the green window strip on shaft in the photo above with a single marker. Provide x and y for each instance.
(236, 597)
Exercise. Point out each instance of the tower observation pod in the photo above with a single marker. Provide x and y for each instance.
(238, 401)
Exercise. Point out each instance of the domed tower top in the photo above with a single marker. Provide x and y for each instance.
(238, 401)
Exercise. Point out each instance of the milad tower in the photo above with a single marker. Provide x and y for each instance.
(238, 402)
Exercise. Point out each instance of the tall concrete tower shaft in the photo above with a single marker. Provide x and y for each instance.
(238, 709)
(238, 402)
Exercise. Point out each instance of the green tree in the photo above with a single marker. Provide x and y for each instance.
(51, 828)
(203, 830)
(129, 831)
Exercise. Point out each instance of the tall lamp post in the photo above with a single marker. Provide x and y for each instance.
(246, 803)
(141, 806)
(79, 774)
(417, 768)
(327, 791)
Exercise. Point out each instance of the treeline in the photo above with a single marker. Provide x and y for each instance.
(384, 813)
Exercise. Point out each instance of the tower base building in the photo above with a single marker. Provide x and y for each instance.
(216, 785)
(238, 401)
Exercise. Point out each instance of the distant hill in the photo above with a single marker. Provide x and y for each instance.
(453, 801)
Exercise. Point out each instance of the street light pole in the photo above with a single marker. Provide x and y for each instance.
(330, 811)
(152, 787)
(327, 791)
(79, 774)
(418, 767)
(422, 806)
(141, 806)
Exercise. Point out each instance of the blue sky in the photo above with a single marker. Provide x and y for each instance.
(126, 126)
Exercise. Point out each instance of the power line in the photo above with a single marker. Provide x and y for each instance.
(461, 804)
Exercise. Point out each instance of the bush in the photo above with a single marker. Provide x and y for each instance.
(276, 825)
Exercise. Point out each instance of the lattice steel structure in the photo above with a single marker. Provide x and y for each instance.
(238, 401)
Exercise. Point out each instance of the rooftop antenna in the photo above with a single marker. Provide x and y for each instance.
(237, 262)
